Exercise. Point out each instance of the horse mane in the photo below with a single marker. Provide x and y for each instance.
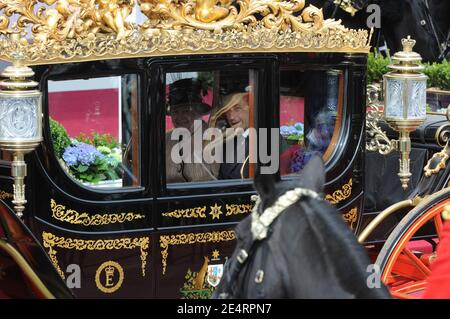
(330, 230)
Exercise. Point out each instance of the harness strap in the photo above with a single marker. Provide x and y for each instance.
(260, 228)
(243, 255)
(261, 223)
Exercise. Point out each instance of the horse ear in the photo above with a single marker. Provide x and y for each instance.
(264, 183)
(313, 175)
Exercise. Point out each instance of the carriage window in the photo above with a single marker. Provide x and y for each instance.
(208, 119)
(95, 131)
(310, 116)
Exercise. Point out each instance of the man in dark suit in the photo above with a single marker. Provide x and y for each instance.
(235, 112)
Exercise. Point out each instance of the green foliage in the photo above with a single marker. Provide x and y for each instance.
(60, 137)
(98, 171)
(438, 75)
(104, 148)
(97, 140)
(376, 67)
(88, 164)
(188, 291)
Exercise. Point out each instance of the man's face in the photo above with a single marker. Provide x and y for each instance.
(184, 117)
(237, 116)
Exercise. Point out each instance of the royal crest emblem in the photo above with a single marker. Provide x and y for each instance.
(214, 275)
(201, 284)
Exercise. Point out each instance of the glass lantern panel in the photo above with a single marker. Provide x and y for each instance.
(19, 118)
(417, 99)
(394, 92)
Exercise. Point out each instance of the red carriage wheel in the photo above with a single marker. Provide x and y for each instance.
(405, 261)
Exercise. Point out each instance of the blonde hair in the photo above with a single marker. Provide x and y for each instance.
(228, 102)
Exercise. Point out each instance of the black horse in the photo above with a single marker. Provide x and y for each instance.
(426, 21)
(307, 251)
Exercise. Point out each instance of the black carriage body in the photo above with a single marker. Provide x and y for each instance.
(146, 248)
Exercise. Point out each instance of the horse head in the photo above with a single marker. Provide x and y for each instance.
(312, 177)
(296, 245)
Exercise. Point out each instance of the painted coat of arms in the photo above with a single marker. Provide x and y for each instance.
(214, 274)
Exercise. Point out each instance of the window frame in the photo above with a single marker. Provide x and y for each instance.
(262, 64)
(339, 139)
(144, 183)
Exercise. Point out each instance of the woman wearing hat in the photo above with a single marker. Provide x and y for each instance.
(185, 105)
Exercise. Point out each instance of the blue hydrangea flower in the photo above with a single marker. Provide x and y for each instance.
(81, 153)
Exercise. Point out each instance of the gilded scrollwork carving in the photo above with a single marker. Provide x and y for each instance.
(238, 209)
(377, 139)
(165, 241)
(351, 217)
(42, 31)
(5, 195)
(66, 19)
(215, 211)
(194, 212)
(61, 213)
(221, 15)
(340, 194)
(51, 242)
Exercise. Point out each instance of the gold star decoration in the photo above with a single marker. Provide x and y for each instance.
(215, 254)
(215, 211)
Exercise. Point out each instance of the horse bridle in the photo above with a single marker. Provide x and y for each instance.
(261, 223)
(260, 226)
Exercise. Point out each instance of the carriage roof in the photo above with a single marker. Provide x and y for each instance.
(61, 31)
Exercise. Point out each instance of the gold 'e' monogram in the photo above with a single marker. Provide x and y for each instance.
(109, 277)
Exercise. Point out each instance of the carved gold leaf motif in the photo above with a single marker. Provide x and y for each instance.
(195, 212)
(71, 216)
(215, 211)
(51, 31)
(351, 217)
(341, 194)
(238, 209)
(165, 241)
(51, 242)
(5, 195)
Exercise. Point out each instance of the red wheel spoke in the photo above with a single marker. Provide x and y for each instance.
(438, 224)
(410, 287)
(401, 295)
(405, 273)
(417, 261)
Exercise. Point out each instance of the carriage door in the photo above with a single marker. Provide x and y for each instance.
(91, 207)
(208, 112)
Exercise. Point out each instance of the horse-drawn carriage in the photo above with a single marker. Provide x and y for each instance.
(102, 216)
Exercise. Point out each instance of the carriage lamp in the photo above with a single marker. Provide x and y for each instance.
(404, 106)
(20, 123)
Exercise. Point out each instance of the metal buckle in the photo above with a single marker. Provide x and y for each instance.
(242, 256)
(259, 276)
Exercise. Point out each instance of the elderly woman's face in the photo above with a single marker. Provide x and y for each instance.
(238, 116)
(184, 117)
